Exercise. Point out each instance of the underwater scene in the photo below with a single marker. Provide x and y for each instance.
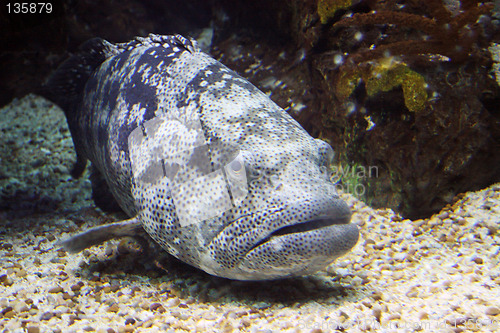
(250, 166)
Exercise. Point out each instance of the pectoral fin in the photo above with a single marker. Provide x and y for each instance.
(101, 234)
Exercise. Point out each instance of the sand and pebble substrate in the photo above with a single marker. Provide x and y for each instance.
(439, 274)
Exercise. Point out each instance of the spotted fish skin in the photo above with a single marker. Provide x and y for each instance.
(159, 120)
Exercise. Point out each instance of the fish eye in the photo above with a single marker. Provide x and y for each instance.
(236, 166)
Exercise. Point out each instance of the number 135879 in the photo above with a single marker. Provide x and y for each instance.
(29, 8)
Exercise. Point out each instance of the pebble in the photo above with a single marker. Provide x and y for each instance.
(342, 271)
(6, 280)
(46, 315)
(9, 314)
(171, 302)
(33, 329)
(129, 321)
(356, 281)
(56, 289)
(399, 269)
(157, 307)
(492, 311)
(262, 305)
(478, 260)
(377, 312)
(393, 316)
(113, 308)
(77, 286)
(423, 315)
(125, 329)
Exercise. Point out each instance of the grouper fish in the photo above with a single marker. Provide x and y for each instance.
(201, 160)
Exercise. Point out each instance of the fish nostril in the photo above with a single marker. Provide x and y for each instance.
(274, 181)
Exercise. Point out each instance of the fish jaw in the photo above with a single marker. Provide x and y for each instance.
(286, 256)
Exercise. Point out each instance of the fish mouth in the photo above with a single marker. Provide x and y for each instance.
(291, 248)
(303, 227)
(299, 249)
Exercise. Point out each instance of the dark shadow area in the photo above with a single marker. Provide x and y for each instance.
(189, 282)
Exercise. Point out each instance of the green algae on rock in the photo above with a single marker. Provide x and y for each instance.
(328, 8)
(382, 76)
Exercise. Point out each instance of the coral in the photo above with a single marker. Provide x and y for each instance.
(398, 74)
(495, 55)
(453, 36)
(346, 82)
(412, 92)
(327, 8)
(384, 75)
(350, 178)
(432, 31)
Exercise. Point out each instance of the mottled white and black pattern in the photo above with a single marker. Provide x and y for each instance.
(211, 168)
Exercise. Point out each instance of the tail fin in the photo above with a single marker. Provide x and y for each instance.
(65, 86)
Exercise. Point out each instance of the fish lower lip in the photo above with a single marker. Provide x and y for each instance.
(317, 223)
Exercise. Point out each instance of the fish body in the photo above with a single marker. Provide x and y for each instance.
(213, 170)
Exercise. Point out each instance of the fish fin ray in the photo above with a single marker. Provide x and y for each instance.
(101, 234)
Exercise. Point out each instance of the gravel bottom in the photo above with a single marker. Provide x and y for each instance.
(440, 274)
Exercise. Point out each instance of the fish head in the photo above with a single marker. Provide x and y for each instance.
(254, 209)
(238, 189)
(291, 221)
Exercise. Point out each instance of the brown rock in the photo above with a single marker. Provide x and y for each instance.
(33, 329)
(493, 311)
(55, 290)
(113, 308)
(77, 287)
(46, 315)
(157, 307)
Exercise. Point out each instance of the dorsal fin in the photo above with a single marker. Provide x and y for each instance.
(66, 84)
